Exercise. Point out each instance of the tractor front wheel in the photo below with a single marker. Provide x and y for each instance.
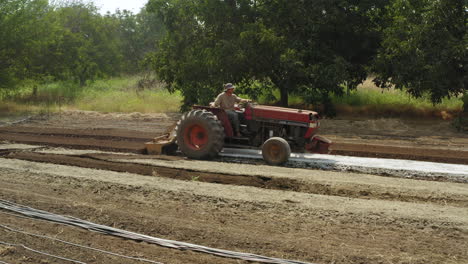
(276, 151)
(199, 134)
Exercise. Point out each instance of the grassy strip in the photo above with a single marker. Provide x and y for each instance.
(368, 94)
(129, 94)
(371, 101)
(394, 103)
(146, 101)
(145, 95)
(125, 94)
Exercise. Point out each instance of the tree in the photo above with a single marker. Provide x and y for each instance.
(424, 48)
(138, 34)
(67, 42)
(87, 46)
(22, 38)
(201, 49)
(300, 47)
(327, 43)
(70, 41)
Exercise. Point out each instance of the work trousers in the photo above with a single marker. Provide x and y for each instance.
(234, 118)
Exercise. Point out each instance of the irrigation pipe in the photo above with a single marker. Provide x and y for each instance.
(67, 220)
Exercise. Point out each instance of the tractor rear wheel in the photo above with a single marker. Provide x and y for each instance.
(199, 134)
(276, 151)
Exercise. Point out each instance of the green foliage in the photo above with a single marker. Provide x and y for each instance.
(327, 43)
(70, 41)
(299, 47)
(193, 58)
(424, 48)
(86, 46)
(21, 38)
(392, 97)
(138, 34)
(288, 50)
(129, 101)
(121, 94)
(125, 95)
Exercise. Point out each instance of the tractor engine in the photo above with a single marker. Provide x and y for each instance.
(298, 127)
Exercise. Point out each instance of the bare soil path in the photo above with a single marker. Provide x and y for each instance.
(434, 141)
(308, 215)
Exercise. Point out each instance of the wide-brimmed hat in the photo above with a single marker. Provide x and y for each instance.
(228, 86)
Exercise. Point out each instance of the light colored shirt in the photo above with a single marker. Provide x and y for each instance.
(226, 101)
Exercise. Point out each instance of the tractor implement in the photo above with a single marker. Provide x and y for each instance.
(164, 144)
(203, 132)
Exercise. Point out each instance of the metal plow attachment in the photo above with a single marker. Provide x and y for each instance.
(165, 144)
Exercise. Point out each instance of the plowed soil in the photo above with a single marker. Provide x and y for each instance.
(306, 215)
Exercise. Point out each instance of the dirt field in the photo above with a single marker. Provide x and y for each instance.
(305, 215)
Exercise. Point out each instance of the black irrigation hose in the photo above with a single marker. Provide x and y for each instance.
(67, 220)
(77, 245)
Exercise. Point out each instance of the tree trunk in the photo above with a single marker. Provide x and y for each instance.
(465, 103)
(284, 96)
(283, 86)
(34, 92)
(329, 108)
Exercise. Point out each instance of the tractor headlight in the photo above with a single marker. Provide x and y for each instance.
(313, 117)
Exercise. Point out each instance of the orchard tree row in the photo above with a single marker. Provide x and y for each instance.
(308, 48)
(71, 41)
(312, 48)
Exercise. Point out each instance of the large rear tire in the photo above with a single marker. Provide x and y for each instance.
(276, 151)
(199, 135)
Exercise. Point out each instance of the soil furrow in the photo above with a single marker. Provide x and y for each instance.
(77, 142)
(312, 215)
(131, 141)
(99, 161)
(91, 133)
(283, 230)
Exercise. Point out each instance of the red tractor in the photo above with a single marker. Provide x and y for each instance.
(204, 131)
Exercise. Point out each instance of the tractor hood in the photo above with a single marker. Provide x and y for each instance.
(257, 112)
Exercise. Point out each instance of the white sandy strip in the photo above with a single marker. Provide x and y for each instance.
(331, 161)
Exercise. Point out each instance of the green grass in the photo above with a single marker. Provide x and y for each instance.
(372, 101)
(124, 94)
(111, 95)
(369, 95)
(129, 101)
(13, 111)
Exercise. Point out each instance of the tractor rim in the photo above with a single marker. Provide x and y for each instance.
(196, 137)
(274, 152)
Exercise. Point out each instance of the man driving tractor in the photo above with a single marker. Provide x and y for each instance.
(227, 100)
(203, 132)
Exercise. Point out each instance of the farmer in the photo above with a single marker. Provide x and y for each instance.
(226, 100)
